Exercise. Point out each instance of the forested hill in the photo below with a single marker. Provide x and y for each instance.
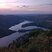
(35, 41)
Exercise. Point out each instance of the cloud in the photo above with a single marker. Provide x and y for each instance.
(49, 4)
(26, 5)
(45, 4)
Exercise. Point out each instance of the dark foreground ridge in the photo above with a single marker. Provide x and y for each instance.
(35, 41)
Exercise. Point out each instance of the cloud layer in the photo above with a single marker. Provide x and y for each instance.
(15, 6)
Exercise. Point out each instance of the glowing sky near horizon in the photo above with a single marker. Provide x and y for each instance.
(25, 5)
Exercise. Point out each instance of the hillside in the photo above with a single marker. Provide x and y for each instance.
(35, 41)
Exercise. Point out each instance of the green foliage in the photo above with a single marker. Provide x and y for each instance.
(35, 33)
(49, 33)
(34, 48)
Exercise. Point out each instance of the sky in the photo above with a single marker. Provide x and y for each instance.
(25, 6)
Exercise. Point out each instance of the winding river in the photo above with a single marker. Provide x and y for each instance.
(5, 41)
